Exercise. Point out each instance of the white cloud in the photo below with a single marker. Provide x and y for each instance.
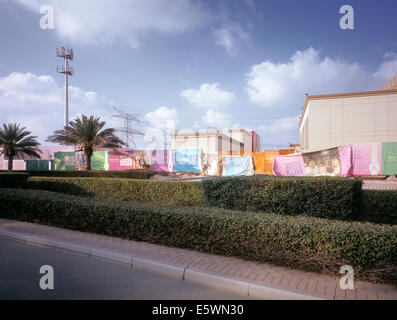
(271, 84)
(29, 87)
(282, 131)
(37, 102)
(387, 70)
(282, 126)
(218, 120)
(231, 37)
(126, 21)
(161, 122)
(162, 117)
(209, 96)
(390, 55)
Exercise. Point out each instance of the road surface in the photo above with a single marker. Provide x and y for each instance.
(81, 277)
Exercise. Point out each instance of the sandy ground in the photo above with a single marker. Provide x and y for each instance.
(178, 176)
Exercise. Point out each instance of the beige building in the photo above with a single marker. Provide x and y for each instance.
(359, 117)
(234, 142)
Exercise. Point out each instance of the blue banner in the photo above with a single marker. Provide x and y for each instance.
(187, 160)
(238, 166)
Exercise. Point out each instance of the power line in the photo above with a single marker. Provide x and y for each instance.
(127, 130)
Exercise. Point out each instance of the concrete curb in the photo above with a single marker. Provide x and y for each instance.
(274, 293)
(216, 281)
(168, 269)
(74, 248)
(112, 256)
(185, 273)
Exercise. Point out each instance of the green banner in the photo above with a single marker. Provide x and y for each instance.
(64, 161)
(389, 158)
(99, 160)
(37, 165)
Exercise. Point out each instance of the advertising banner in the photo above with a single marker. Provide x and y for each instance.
(209, 164)
(121, 160)
(80, 161)
(366, 159)
(331, 162)
(238, 166)
(64, 161)
(99, 161)
(263, 161)
(187, 160)
(290, 165)
(159, 160)
(142, 159)
(389, 158)
(38, 165)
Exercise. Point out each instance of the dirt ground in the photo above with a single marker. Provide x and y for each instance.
(178, 176)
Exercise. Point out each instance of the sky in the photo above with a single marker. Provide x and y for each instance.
(190, 65)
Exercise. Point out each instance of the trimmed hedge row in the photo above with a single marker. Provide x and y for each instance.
(13, 180)
(130, 174)
(311, 244)
(380, 206)
(138, 191)
(334, 198)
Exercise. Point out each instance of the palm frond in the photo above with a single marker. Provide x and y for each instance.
(17, 141)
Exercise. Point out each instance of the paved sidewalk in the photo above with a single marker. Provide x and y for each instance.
(380, 184)
(294, 281)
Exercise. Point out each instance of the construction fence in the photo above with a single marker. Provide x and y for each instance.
(371, 159)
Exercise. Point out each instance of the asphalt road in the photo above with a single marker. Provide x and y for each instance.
(81, 277)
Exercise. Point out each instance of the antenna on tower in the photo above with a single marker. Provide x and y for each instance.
(66, 54)
(127, 129)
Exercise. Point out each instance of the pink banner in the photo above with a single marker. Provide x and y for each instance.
(367, 159)
(159, 160)
(331, 162)
(290, 165)
(345, 155)
(121, 160)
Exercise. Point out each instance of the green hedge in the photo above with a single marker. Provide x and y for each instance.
(130, 174)
(380, 206)
(307, 243)
(334, 198)
(13, 180)
(138, 191)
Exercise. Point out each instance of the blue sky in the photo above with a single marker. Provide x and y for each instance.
(203, 64)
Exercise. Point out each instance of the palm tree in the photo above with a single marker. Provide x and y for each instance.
(85, 133)
(17, 142)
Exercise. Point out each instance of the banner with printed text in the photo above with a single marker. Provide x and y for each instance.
(64, 161)
(121, 160)
(187, 160)
(238, 166)
(331, 162)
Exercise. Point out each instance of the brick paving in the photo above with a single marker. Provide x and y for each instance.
(380, 185)
(305, 282)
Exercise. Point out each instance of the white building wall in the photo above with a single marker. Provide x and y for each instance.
(334, 122)
(227, 141)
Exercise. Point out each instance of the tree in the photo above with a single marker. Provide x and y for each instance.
(17, 142)
(86, 133)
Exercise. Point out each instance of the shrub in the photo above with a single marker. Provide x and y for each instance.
(138, 191)
(130, 174)
(13, 179)
(306, 243)
(380, 206)
(334, 198)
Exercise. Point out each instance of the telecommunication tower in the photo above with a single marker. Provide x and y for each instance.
(127, 130)
(66, 54)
